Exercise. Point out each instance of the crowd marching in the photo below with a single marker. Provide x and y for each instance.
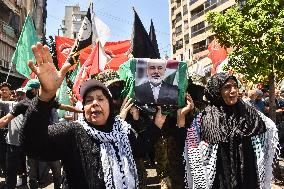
(222, 141)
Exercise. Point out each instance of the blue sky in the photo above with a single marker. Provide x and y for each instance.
(118, 15)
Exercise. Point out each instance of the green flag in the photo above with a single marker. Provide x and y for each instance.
(75, 72)
(64, 91)
(23, 51)
(63, 95)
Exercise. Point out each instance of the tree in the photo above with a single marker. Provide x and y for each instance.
(254, 28)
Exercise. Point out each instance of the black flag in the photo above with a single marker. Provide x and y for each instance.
(141, 44)
(84, 38)
(153, 39)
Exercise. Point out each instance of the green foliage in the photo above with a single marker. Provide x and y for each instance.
(255, 30)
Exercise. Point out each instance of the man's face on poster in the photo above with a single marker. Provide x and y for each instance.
(156, 72)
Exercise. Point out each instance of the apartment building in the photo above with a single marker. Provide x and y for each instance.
(12, 18)
(72, 21)
(190, 33)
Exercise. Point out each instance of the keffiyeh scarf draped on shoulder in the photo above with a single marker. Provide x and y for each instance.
(229, 147)
(116, 155)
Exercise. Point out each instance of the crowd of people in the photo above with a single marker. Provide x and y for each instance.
(223, 142)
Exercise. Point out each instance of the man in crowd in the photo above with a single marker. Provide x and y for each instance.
(5, 91)
(259, 102)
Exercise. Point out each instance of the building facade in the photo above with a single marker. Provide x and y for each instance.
(12, 18)
(190, 33)
(72, 21)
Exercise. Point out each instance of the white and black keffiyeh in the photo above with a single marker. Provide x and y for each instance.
(116, 155)
(200, 156)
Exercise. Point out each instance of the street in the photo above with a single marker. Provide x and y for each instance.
(152, 180)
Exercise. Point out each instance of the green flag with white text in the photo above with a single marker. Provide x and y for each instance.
(23, 51)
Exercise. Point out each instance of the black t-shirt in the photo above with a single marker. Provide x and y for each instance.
(21, 107)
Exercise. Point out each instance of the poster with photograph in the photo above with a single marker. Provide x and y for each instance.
(156, 82)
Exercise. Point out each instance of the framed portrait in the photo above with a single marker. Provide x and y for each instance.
(156, 82)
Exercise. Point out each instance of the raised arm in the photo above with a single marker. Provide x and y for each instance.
(50, 79)
(40, 140)
(70, 108)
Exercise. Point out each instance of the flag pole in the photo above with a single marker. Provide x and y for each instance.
(9, 72)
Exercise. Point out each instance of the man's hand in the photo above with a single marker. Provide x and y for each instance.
(160, 118)
(181, 113)
(125, 107)
(50, 79)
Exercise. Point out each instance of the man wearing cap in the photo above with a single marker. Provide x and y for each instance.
(156, 91)
(20, 94)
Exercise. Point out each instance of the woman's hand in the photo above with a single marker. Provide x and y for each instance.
(125, 107)
(160, 118)
(135, 113)
(181, 113)
(50, 79)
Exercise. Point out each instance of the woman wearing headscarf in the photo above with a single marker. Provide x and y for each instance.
(96, 152)
(229, 145)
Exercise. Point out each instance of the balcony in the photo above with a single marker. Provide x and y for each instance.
(197, 15)
(178, 4)
(202, 48)
(211, 7)
(215, 5)
(192, 2)
(7, 29)
(200, 31)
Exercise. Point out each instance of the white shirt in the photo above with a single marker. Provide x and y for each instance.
(156, 90)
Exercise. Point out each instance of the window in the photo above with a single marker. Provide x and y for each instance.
(209, 3)
(178, 30)
(181, 57)
(192, 1)
(173, 11)
(198, 27)
(173, 23)
(179, 44)
(178, 17)
(199, 11)
(200, 46)
(185, 10)
(185, 24)
(186, 39)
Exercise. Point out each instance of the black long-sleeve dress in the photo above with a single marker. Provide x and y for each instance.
(68, 142)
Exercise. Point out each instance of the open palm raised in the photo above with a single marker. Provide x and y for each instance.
(50, 79)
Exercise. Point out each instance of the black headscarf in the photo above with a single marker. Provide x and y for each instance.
(110, 121)
(220, 121)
